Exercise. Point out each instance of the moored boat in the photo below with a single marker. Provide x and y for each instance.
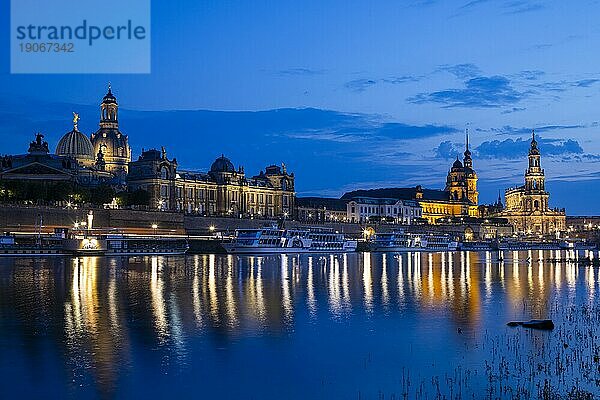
(111, 244)
(401, 241)
(271, 239)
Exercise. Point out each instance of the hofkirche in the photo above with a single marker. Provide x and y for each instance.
(104, 159)
(459, 198)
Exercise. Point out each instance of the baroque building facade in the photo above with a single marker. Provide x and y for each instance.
(321, 209)
(526, 206)
(73, 163)
(369, 209)
(223, 191)
(109, 140)
(459, 198)
(104, 158)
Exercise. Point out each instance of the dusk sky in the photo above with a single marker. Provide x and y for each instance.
(349, 94)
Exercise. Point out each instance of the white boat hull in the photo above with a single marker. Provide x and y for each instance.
(233, 249)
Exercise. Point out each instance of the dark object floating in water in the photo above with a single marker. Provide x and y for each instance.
(545, 324)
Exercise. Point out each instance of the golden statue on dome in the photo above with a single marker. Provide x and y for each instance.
(76, 119)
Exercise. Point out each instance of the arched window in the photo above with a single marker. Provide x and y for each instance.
(164, 174)
(536, 204)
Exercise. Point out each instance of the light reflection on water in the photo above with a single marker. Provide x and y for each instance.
(248, 326)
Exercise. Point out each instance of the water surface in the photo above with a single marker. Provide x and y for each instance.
(368, 326)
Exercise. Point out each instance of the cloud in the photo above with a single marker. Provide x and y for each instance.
(586, 82)
(421, 3)
(513, 110)
(472, 4)
(461, 71)
(357, 127)
(479, 92)
(406, 131)
(518, 148)
(519, 7)
(511, 130)
(300, 71)
(510, 7)
(447, 150)
(561, 86)
(530, 75)
(360, 85)
(541, 46)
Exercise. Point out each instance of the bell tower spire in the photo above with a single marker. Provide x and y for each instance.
(467, 161)
(109, 140)
(534, 176)
(109, 110)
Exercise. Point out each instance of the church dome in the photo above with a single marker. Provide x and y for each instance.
(457, 164)
(222, 164)
(111, 138)
(75, 144)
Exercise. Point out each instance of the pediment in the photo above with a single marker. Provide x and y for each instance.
(35, 168)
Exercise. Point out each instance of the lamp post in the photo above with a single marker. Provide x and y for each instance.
(154, 227)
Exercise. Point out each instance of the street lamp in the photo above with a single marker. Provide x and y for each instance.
(211, 228)
(155, 227)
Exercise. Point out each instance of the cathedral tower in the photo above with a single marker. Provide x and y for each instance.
(109, 140)
(461, 183)
(470, 175)
(534, 176)
(527, 206)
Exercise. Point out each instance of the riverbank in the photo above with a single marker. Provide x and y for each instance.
(29, 218)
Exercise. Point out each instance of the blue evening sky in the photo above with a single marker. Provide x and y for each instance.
(349, 94)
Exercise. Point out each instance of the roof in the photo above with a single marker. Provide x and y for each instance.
(109, 98)
(322, 202)
(385, 201)
(222, 164)
(374, 200)
(398, 193)
(75, 144)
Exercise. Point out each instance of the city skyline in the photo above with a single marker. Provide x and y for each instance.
(352, 113)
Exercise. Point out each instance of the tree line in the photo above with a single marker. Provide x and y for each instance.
(48, 193)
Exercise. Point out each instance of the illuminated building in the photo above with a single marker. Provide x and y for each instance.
(109, 140)
(321, 209)
(38, 165)
(223, 191)
(369, 209)
(458, 199)
(527, 205)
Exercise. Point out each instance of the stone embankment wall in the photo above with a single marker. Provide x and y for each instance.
(13, 218)
(26, 219)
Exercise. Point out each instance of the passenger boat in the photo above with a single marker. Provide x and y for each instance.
(400, 241)
(271, 239)
(119, 244)
(30, 246)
